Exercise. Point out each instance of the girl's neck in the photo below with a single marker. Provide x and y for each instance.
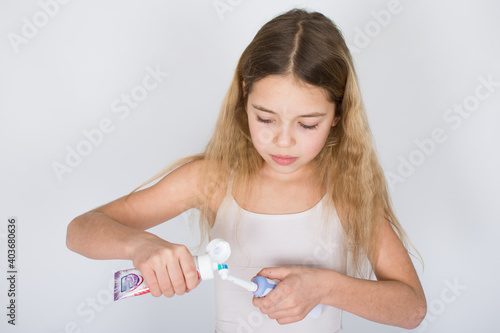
(270, 176)
(286, 184)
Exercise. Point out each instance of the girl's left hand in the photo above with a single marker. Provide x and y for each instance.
(299, 291)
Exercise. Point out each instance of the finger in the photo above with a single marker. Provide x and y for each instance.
(265, 306)
(277, 302)
(190, 274)
(271, 303)
(285, 313)
(164, 283)
(176, 276)
(278, 273)
(282, 312)
(289, 319)
(152, 282)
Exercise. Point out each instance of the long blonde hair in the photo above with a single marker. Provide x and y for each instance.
(308, 46)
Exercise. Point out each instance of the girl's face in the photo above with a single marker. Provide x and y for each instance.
(289, 122)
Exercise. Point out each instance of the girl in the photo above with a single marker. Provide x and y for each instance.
(291, 180)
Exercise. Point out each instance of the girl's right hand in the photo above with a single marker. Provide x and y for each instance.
(168, 268)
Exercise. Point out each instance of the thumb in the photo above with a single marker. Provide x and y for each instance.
(275, 273)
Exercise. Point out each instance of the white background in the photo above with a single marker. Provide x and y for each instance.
(65, 75)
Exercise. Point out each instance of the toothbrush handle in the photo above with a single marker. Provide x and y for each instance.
(265, 286)
(250, 286)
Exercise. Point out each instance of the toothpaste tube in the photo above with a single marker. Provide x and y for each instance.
(129, 282)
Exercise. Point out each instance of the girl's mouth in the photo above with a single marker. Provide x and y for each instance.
(283, 159)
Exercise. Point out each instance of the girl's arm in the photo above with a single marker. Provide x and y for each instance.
(117, 231)
(396, 298)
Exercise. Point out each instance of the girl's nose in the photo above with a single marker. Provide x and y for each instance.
(284, 138)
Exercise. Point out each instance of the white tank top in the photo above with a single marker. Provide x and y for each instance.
(264, 240)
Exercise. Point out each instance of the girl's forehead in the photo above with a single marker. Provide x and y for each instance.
(285, 93)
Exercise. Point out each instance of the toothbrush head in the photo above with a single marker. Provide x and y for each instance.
(223, 271)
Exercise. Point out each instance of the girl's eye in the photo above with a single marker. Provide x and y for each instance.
(262, 120)
(268, 121)
(310, 127)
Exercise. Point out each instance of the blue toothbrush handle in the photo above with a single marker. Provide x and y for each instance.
(265, 286)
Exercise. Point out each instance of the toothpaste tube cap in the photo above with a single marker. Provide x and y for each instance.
(204, 267)
(219, 250)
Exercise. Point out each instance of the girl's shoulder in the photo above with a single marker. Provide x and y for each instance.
(204, 191)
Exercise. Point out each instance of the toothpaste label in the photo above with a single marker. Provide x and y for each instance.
(130, 282)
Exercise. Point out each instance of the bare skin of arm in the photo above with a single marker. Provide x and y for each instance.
(117, 231)
(396, 298)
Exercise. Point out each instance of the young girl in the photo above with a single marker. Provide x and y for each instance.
(291, 180)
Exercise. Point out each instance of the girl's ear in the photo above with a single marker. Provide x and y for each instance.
(335, 121)
(243, 90)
